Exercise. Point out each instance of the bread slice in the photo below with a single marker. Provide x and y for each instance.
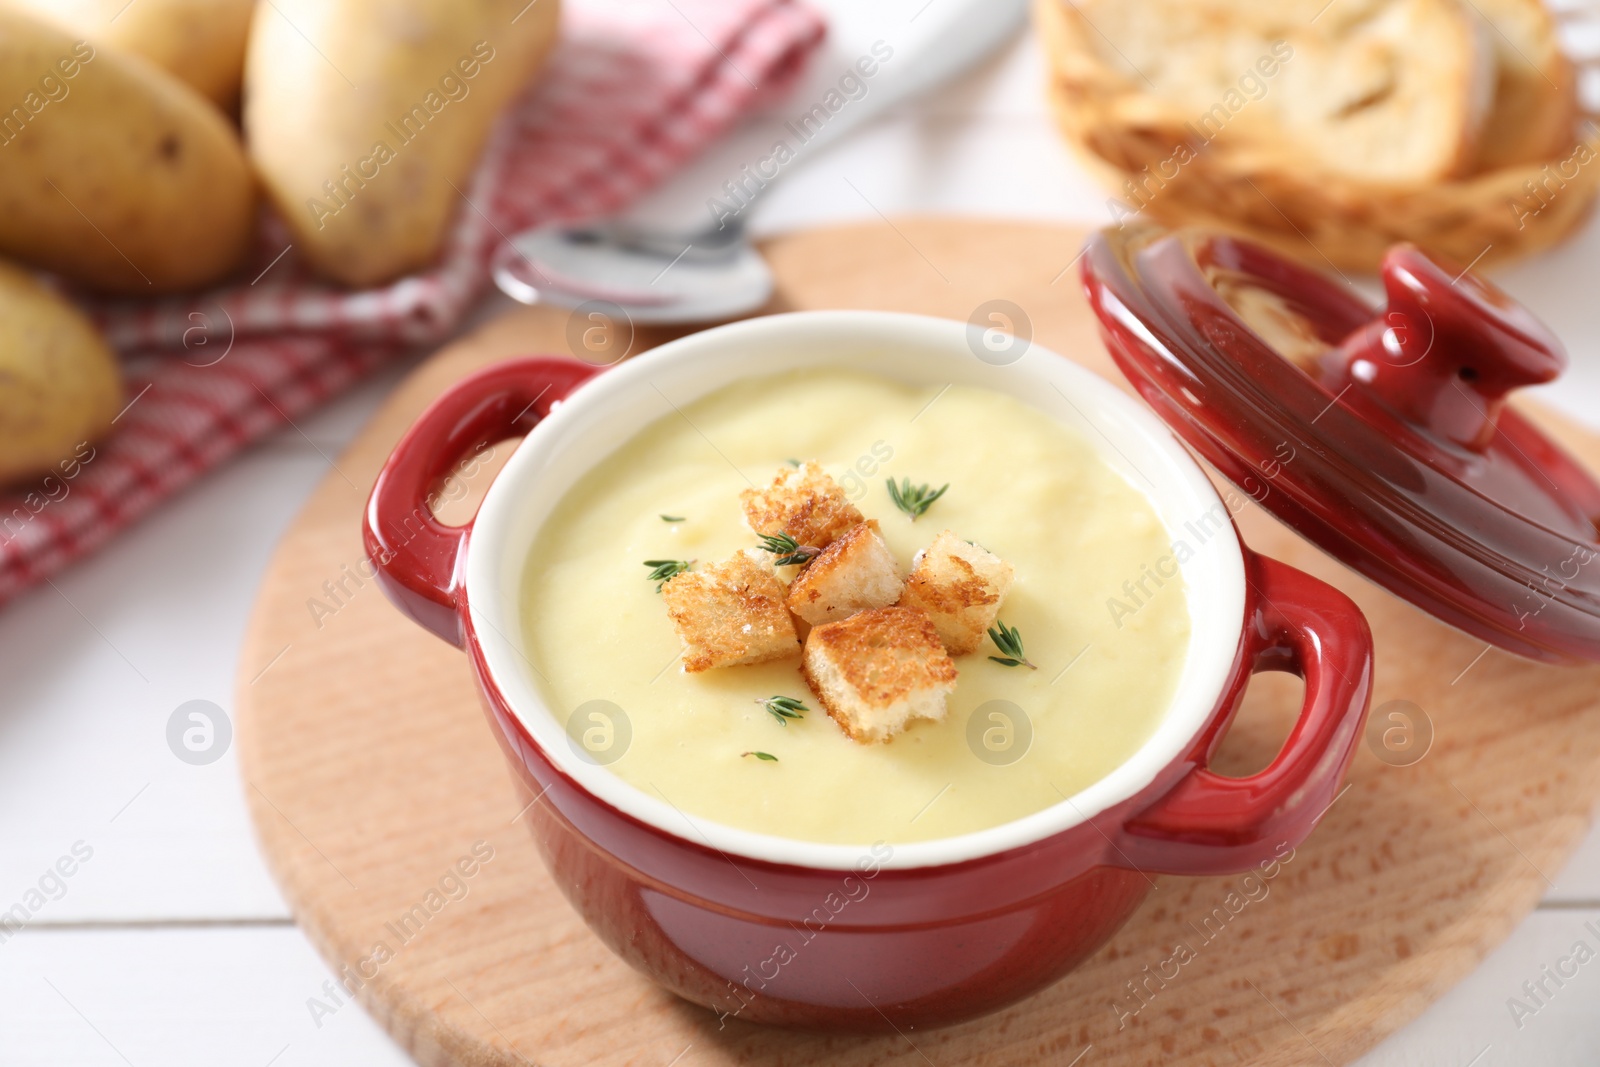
(1535, 99)
(1253, 179)
(878, 670)
(855, 573)
(1343, 87)
(730, 613)
(1379, 107)
(959, 586)
(802, 502)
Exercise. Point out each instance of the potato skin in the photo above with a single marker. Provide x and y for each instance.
(199, 42)
(112, 173)
(359, 146)
(59, 382)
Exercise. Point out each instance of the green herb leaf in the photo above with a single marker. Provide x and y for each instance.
(791, 461)
(914, 499)
(769, 757)
(783, 708)
(672, 518)
(1008, 640)
(787, 549)
(664, 570)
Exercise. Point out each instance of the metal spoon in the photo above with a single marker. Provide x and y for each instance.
(677, 257)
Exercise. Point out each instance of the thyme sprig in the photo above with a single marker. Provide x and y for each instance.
(767, 756)
(1008, 640)
(783, 708)
(672, 518)
(914, 499)
(663, 571)
(787, 549)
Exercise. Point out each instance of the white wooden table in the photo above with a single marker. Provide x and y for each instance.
(170, 946)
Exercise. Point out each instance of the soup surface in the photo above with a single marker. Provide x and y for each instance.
(1015, 740)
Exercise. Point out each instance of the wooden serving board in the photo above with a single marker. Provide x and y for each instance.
(370, 772)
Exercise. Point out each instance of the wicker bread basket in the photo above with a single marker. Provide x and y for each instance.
(1142, 147)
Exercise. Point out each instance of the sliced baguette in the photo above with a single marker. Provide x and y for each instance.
(1340, 87)
(1535, 96)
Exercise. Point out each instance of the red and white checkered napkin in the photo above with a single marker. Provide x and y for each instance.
(634, 88)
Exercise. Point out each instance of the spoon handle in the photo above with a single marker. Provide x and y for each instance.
(876, 56)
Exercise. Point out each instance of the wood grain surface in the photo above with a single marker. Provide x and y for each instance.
(370, 773)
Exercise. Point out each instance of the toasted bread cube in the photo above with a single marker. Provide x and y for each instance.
(730, 613)
(878, 670)
(960, 586)
(855, 573)
(803, 502)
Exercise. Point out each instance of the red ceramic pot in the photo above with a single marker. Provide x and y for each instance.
(873, 936)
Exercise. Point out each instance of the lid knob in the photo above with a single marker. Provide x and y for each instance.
(1447, 350)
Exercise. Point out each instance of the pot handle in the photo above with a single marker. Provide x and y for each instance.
(1208, 824)
(417, 557)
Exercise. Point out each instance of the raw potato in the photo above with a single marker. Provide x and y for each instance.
(59, 386)
(111, 172)
(365, 118)
(199, 42)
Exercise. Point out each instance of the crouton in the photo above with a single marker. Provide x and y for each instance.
(960, 586)
(855, 573)
(878, 670)
(730, 613)
(803, 503)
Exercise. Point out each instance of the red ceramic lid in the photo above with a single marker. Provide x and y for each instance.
(1381, 434)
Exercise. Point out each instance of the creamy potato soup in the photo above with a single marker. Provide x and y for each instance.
(1015, 740)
